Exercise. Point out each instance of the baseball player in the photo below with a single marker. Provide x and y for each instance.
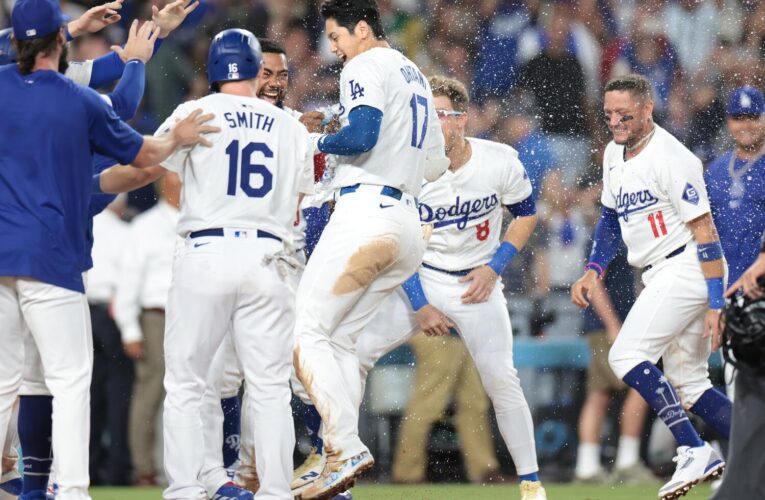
(35, 401)
(457, 287)
(42, 230)
(655, 199)
(238, 206)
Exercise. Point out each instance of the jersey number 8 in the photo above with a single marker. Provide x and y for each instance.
(248, 169)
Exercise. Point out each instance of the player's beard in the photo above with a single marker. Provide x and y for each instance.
(63, 63)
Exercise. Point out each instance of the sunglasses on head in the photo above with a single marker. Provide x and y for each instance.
(443, 113)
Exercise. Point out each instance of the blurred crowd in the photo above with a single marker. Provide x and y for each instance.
(535, 70)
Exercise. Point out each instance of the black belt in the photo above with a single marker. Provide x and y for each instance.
(463, 272)
(671, 254)
(219, 232)
(384, 190)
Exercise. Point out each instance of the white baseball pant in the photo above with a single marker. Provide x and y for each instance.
(59, 322)
(221, 285)
(486, 330)
(372, 244)
(667, 322)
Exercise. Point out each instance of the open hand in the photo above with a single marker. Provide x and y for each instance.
(172, 15)
(96, 19)
(190, 130)
(140, 42)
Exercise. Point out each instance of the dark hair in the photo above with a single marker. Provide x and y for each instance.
(635, 84)
(271, 46)
(27, 50)
(451, 88)
(348, 13)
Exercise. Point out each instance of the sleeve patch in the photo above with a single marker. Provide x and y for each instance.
(690, 194)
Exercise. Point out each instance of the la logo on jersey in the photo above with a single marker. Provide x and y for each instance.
(459, 213)
(628, 203)
(690, 194)
(356, 90)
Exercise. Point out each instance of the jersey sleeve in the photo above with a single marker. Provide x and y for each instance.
(362, 83)
(176, 161)
(109, 135)
(516, 185)
(607, 196)
(80, 72)
(684, 183)
(304, 156)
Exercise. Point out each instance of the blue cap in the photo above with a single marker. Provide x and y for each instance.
(746, 101)
(36, 18)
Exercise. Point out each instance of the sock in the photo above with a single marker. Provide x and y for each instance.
(528, 477)
(715, 408)
(232, 415)
(35, 433)
(587, 459)
(312, 421)
(661, 396)
(628, 453)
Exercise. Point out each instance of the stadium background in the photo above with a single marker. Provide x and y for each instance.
(535, 70)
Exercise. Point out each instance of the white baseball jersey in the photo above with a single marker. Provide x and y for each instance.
(465, 207)
(654, 194)
(251, 176)
(386, 80)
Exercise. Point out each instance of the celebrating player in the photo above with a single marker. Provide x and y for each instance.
(238, 207)
(655, 199)
(373, 241)
(457, 287)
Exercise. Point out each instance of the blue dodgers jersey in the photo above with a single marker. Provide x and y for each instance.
(98, 202)
(738, 211)
(50, 128)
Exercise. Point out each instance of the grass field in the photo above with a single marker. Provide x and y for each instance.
(452, 492)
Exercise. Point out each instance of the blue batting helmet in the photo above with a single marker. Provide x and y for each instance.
(7, 52)
(234, 55)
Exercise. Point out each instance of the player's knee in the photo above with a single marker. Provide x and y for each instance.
(620, 361)
(365, 265)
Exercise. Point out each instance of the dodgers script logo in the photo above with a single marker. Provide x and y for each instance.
(459, 213)
(628, 203)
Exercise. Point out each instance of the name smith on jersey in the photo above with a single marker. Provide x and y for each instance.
(460, 212)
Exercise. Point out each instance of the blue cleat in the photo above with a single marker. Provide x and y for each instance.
(36, 495)
(346, 495)
(230, 491)
(12, 486)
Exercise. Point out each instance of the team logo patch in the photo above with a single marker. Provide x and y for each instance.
(356, 90)
(690, 194)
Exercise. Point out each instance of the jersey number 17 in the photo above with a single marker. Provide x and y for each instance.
(418, 131)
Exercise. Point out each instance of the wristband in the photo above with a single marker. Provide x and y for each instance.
(715, 289)
(595, 267)
(415, 293)
(502, 258)
(709, 252)
(69, 36)
(95, 185)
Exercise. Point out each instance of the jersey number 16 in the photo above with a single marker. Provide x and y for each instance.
(248, 169)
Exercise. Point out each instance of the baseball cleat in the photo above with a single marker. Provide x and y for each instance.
(532, 490)
(694, 465)
(308, 471)
(337, 477)
(230, 491)
(346, 495)
(36, 495)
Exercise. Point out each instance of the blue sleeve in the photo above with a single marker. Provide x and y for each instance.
(98, 202)
(128, 93)
(106, 69)
(108, 135)
(607, 237)
(359, 136)
(415, 293)
(523, 208)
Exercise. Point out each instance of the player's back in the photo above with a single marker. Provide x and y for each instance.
(251, 176)
(385, 79)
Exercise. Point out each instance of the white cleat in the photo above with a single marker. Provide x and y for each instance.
(694, 465)
(308, 471)
(532, 490)
(337, 477)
